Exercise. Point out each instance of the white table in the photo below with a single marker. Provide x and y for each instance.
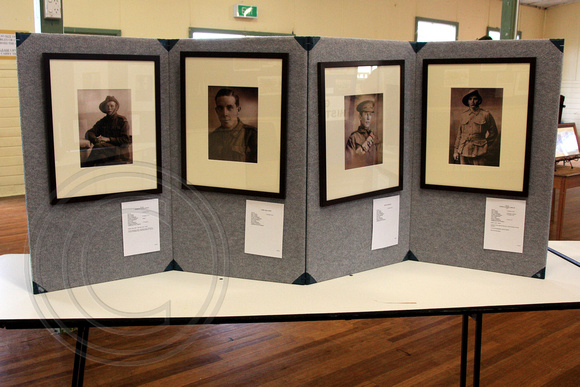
(405, 289)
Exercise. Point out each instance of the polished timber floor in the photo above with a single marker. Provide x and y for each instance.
(519, 348)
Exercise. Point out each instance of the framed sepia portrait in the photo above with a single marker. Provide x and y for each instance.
(104, 125)
(477, 122)
(361, 126)
(234, 122)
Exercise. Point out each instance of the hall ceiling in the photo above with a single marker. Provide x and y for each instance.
(546, 3)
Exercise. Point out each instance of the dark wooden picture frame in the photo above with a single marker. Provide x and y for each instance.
(242, 151)
(93, 152)
(360, 157)
(483, 147)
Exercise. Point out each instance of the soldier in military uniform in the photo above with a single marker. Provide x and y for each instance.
(477, 132)
(109, 138)
(361, 146)
(232, 140)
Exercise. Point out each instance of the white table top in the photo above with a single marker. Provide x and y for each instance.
(406, 288)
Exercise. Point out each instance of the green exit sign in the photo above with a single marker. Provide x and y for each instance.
(246, 11)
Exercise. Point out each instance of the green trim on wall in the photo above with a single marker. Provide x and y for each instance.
(53, 26)
(238, 32)
(509, 19)
(425, 19)
(91, 31)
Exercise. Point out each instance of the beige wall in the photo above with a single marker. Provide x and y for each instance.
(11, 172)
(531, 22)
(15, 16)
(171, 19)
(373, 19)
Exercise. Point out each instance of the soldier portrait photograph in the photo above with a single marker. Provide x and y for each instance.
(233, 124)
(363, 130)
(475, 130)
(104, 127)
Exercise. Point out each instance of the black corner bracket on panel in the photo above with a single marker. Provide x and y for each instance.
(307, 42)
(168, 43)
(304, 279)
(417, 46)
(21, 37)
(559, 43)
(410, 257)
(37, 289)
(173, 265)
(541, 274)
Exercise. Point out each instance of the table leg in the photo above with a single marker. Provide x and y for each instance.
(464, 337)
(477, 349)
(561, 204)
(553, 206)
(80, 356)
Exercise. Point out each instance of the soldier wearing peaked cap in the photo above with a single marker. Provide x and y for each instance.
(366, 106)
(361, 147)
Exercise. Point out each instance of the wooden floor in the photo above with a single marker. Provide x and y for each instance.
(519, 349)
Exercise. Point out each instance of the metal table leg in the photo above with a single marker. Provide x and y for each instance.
(464, 336)
(478, 317)
(80, 356)
(477, 349)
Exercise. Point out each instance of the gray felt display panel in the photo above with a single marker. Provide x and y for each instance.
(75, 244)
(339, 236)
(209, 227)
(448, 227)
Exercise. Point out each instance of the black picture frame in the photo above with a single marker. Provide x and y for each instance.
(345, 91)
(258, 82)
(455, 155)
(77, 87)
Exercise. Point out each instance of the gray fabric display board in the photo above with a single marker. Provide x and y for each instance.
(339, 235)
(80, 243)
(448, 227)
(209, 227)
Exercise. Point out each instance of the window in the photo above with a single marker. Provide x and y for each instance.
(430, 30)
(210, 33)
(495, 33)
